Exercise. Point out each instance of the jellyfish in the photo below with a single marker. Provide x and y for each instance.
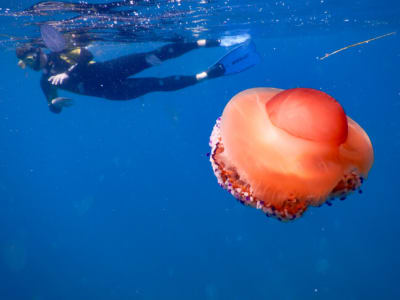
(281, 151)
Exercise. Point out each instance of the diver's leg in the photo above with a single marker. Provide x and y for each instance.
(129, 65)
(135, 87)
(177, 49)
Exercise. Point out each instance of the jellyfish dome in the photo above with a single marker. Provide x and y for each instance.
(282, 151)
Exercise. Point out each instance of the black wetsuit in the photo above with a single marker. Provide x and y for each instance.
(110, 79)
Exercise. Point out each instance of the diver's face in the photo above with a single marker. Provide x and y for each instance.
(31, 60)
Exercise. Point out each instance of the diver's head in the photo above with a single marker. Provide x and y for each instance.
(30, 56)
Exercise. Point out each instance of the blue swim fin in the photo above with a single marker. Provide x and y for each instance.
(238, 60)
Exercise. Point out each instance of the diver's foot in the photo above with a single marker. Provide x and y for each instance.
(208, 43)
(215, 71)
(201, 76)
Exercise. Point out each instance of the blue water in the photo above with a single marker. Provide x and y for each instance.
(117, 200)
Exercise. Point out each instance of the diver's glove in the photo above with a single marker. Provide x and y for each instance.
(56, 105)
(58, 79)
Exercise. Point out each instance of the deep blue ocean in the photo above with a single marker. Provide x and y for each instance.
(117, 200)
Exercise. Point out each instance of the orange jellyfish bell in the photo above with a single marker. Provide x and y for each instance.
(282, 151)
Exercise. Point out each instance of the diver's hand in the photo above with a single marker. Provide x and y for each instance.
(58, 79)
(56, 105)
(62, 102)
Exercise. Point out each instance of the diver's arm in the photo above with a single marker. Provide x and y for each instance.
(84, 58)
(50, 92)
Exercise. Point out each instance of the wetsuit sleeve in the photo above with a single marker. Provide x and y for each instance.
(50, 92)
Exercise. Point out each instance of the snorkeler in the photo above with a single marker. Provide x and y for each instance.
(76, 71)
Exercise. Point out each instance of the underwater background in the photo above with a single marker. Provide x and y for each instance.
(117, 199)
